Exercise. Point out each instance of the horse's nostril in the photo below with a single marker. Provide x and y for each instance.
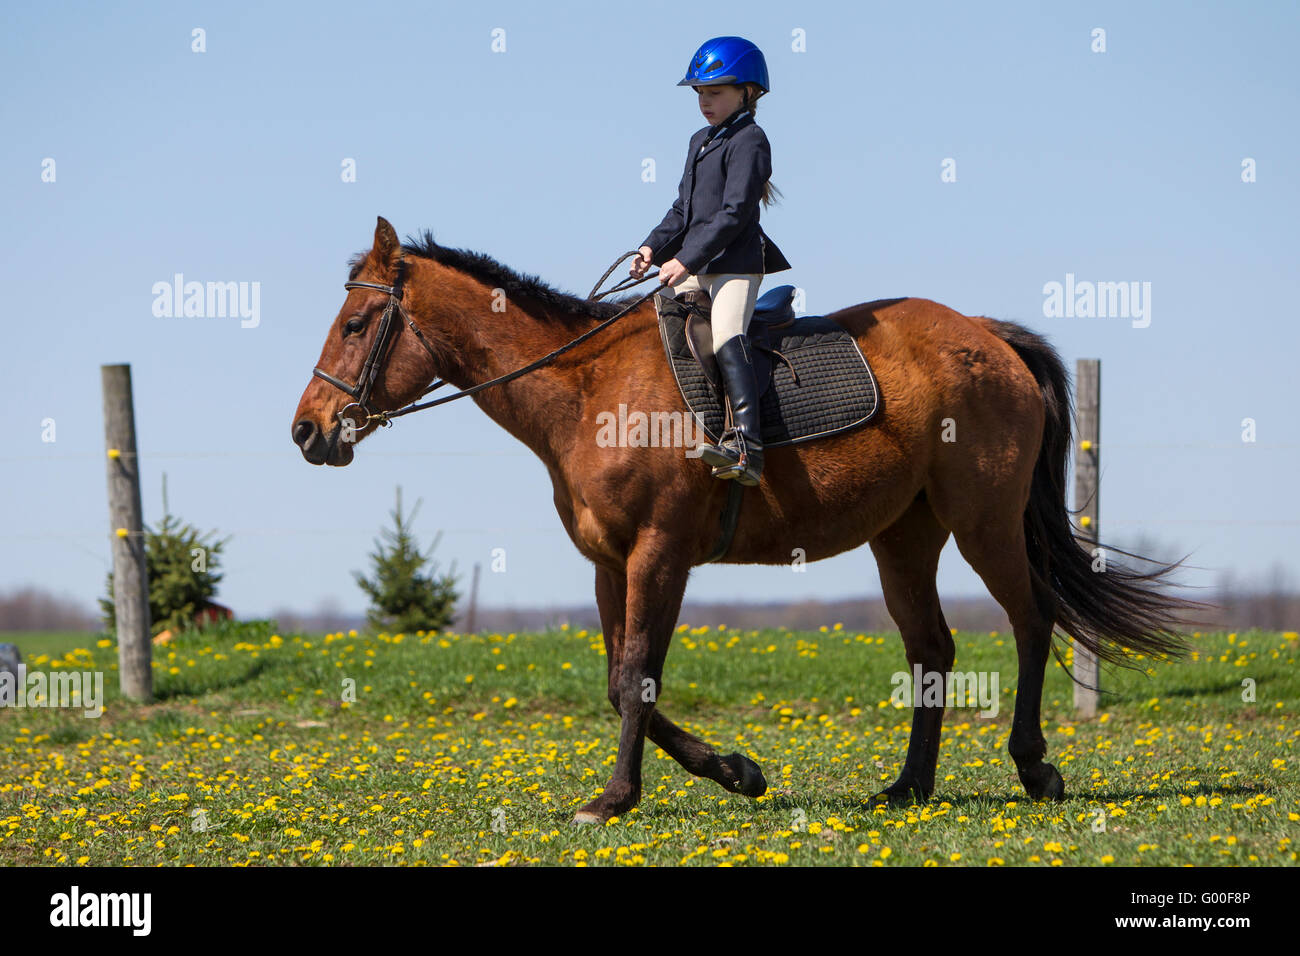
(303, 433)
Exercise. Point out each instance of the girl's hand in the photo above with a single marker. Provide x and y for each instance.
(672, 272)
(639, 266)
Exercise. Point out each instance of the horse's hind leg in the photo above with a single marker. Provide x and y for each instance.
(907, 554)
(735, 772)
(995, 548)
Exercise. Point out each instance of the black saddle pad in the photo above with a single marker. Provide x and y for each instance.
(830, 389)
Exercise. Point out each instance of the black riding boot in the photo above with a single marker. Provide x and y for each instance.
(739, 454)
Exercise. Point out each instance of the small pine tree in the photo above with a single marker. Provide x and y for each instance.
(402, 599)
(181, 583)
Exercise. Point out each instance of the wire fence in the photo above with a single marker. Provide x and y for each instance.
(75, 537)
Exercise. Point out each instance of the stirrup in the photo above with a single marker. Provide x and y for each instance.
(724, 454)
(748, 466)
(747, 474)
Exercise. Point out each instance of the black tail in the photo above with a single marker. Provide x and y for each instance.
(1113, 613)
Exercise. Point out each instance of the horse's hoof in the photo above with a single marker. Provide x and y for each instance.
(901, 794)
(1044, 783)
(583, 818)
(884, 797)
(752, 783)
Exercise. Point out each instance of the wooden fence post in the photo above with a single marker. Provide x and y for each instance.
(130, 572)
(1086, 467)
(472, 617)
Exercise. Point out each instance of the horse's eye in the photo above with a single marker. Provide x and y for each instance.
(353, 326)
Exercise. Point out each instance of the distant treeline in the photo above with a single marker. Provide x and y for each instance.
(31, 609)
(1234, 610)
(1237, 608)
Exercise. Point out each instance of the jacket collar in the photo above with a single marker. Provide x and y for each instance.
(728, 127)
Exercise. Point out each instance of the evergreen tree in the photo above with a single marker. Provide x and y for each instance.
(182, 566)
(402, 599)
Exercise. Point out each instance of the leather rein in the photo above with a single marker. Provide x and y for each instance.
(389, 329)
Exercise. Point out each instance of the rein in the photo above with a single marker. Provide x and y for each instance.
(385, 336)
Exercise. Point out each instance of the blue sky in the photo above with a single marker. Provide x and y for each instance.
(1123, 165)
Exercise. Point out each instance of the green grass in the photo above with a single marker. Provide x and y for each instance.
(50, 643)
(477, 749)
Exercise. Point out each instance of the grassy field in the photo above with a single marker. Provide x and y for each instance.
(476, 750)
(50, 643)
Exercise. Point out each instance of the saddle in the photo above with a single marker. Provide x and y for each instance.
(774, 310)
(813, 380)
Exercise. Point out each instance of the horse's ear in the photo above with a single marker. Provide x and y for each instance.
(388, 249)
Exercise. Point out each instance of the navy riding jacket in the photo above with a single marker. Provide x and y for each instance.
(713, 227)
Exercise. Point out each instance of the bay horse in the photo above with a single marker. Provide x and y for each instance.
(644, 516)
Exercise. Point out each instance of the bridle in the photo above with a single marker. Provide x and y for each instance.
(389, 329)
(384, 339)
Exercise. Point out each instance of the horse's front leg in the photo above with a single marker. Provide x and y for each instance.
(656, 580)
(735, 772)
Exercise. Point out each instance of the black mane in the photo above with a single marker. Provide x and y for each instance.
(500, 276)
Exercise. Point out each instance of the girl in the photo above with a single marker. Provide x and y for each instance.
(710, 242)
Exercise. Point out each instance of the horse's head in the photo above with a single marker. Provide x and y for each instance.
(367, 365)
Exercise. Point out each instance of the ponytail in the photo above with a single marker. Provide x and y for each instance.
(750, 96)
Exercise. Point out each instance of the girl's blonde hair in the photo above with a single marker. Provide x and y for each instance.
(751, 94)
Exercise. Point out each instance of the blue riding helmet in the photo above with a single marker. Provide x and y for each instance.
(727, 60)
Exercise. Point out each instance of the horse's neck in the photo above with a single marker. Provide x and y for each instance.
(542, 408)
